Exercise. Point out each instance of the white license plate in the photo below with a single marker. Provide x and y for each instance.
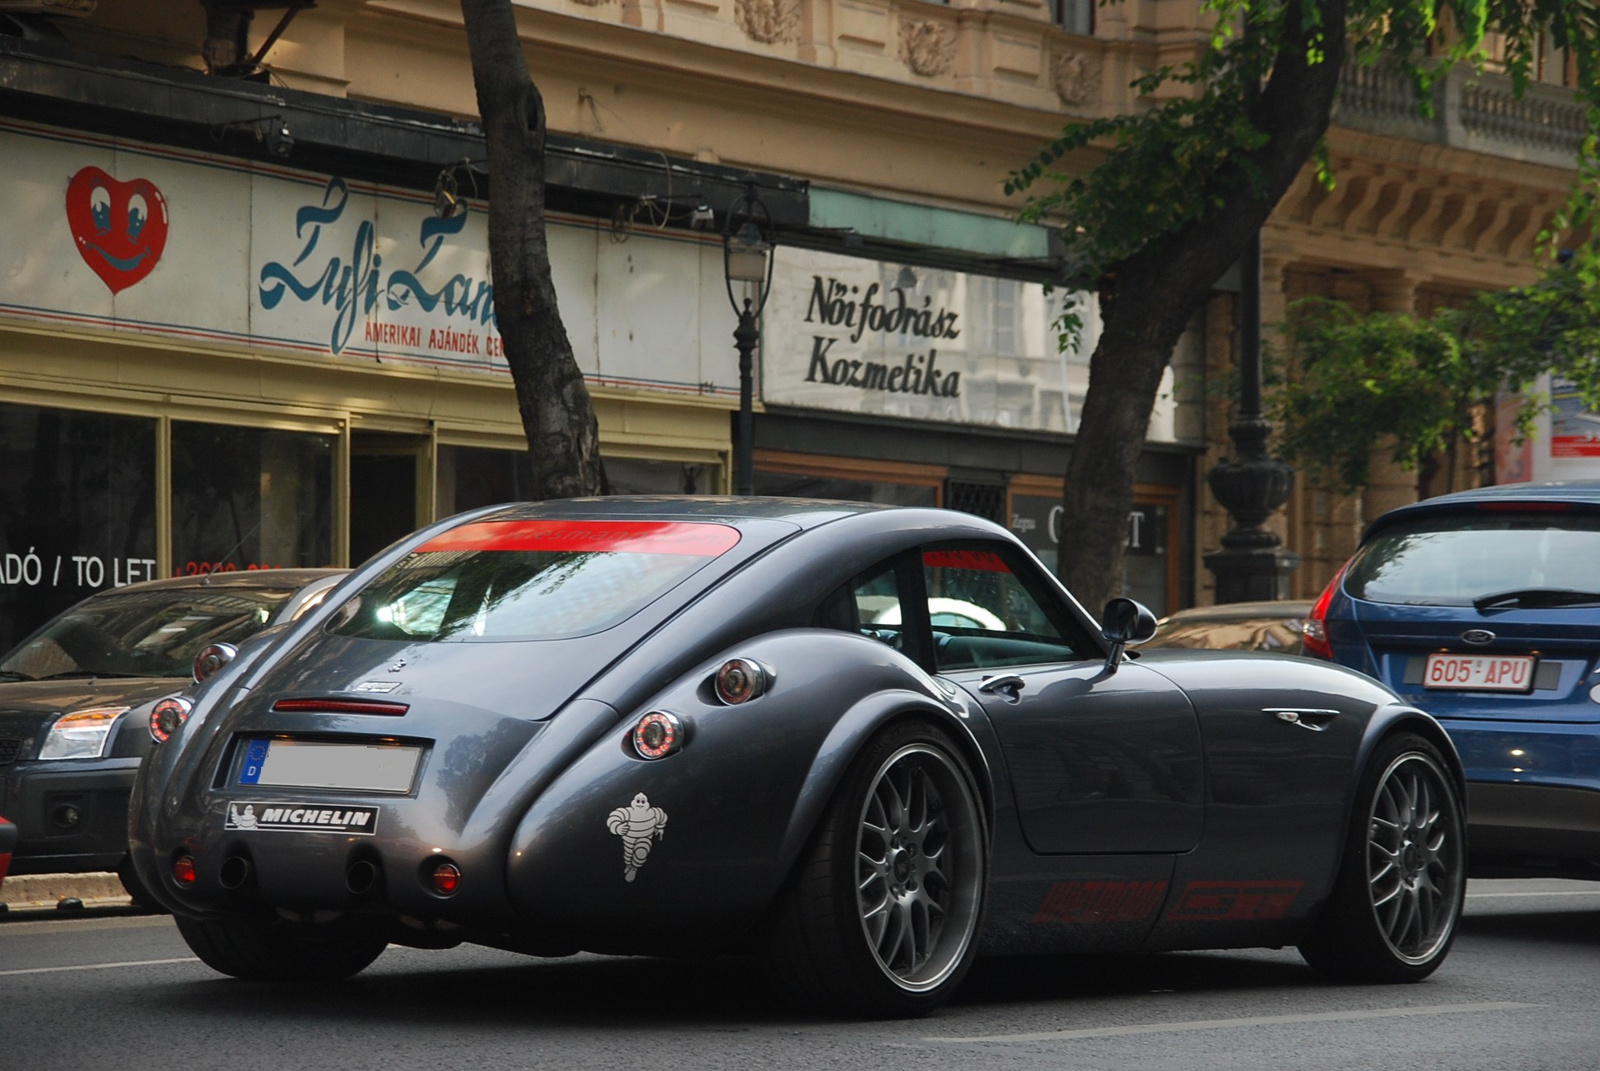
(314, 764)
(1479, 673)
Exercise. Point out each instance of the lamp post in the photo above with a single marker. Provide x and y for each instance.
(747, 258)
(1252, 564)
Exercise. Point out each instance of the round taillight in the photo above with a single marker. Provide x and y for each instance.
(741, 680)
(183, 870)
(168, 716)
(446, 878)
(657, 735)
(211, 658)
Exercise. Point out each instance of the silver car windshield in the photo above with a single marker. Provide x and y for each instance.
(153, 632)
(1517, 558)
(498, 580)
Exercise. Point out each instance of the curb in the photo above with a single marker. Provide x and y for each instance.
(30, 892)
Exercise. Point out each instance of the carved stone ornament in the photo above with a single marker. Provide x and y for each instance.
(768, 21)
(927, 47)
(1076, 77)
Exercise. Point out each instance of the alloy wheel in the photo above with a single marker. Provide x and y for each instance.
(919, 866)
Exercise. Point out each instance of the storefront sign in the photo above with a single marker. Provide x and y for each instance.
(868, 336)
(161, 242)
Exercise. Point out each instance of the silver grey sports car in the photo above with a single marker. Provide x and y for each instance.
(863, 744)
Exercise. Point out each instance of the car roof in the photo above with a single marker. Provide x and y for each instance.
(1581, 493)
(805, 512)
(273, 579)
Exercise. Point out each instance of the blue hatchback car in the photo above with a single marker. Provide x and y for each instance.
(1483, 608)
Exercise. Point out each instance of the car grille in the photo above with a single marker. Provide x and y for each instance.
(8, 751)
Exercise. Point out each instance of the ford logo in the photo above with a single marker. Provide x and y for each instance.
(1478, 636)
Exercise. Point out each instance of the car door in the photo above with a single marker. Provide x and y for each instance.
(1100, 762)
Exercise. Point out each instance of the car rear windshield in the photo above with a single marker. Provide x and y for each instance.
(1456, 559)
(154, 632)
(496, 580)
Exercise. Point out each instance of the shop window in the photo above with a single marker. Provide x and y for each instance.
(472, 477)
(1149, 564)
(637, 476)
(77, 510)
(250, 498)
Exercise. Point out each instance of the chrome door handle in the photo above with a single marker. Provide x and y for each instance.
(1006, 684)
(1311, 718)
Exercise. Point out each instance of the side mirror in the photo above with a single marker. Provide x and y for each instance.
(1125, 622)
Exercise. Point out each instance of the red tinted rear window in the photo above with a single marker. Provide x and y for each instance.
(532, 579)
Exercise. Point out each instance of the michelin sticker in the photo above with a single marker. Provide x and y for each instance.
(636, 824)
(302, 817)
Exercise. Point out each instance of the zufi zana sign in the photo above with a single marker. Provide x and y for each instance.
(865, 336)
(108, 234)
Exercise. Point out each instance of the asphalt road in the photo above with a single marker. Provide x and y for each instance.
(115, 990)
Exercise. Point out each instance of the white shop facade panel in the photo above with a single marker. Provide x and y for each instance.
(880, 338)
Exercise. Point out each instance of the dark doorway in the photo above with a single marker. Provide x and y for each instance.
(383, 490)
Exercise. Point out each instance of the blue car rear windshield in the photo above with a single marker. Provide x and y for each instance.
(534, 580)
(1452, 560)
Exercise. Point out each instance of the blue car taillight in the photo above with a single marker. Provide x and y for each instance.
(1314, 629)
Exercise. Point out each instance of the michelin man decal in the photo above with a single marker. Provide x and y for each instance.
(636, 824)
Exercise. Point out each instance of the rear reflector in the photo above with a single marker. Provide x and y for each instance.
(446, 879)
(183, 870)
(341, 706)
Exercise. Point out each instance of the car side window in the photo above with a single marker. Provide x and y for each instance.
(988, 609)
(869, 604)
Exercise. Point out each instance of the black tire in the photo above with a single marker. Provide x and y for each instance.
(1396, 902)
(883, 916)
(280, 952)
(137, 890)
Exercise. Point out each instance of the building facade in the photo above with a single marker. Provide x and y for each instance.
(238, 329)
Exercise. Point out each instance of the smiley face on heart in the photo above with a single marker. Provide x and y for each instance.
(120, 228)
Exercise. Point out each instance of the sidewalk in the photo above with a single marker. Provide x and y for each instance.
(30, 892)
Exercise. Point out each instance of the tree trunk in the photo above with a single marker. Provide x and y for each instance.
(1150, 297)
(557, 415)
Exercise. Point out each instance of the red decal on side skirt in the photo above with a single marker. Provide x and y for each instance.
(1101, 901)
(1234, 901)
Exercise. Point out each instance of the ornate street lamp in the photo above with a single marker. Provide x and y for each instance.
(747, 259)
(1252, 564)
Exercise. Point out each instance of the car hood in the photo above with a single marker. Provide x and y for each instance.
(24, 704)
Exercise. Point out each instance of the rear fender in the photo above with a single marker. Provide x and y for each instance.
(851, 733)
(686, 852)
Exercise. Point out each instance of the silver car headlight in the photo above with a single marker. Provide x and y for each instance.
(81, 734)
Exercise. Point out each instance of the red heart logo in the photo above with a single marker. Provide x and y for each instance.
(120, 227)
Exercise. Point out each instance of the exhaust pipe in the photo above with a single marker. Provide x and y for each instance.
(361, 877)
(234, 873)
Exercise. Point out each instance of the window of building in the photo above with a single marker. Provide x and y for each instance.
(1075, 16)
(77, 510)
(250, 498)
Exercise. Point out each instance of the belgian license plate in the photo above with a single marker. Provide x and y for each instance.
(317, 764)
(1479, 673)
